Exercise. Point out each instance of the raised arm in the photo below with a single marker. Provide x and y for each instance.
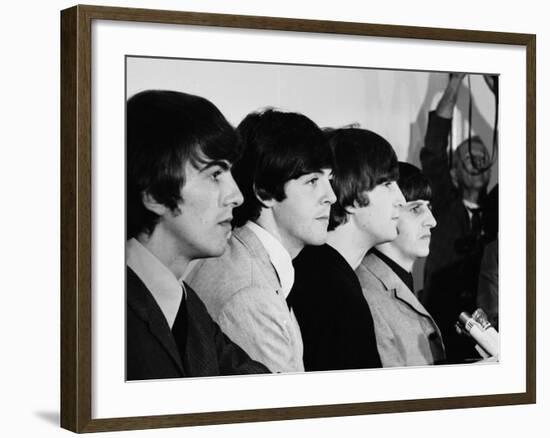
(447, 103)
(433, 155)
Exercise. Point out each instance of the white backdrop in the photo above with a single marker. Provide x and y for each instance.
(393, 103)
(29, 136)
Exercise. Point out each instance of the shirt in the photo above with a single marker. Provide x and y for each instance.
(469, 207)
(278, 255)
(161, 282)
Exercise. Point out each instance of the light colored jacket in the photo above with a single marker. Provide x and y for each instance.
(242, 293)
(406, 334)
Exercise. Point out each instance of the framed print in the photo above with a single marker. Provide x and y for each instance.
(334, 78)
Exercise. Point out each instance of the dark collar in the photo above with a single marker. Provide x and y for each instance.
(406, 277)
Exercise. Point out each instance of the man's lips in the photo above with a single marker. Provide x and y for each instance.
(226, 221)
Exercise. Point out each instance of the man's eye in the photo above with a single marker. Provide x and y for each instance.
(216, 175)
(313, 181)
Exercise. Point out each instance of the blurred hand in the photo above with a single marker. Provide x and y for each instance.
(447, 102)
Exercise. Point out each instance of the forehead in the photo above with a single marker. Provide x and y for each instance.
(477, 148)
(199, 160)
(379, 193)
(325, 171)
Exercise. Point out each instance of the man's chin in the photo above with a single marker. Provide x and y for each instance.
(317, 240)
(214, 252)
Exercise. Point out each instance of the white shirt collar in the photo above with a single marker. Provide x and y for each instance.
(470, 204)
(278, 255)
(469, 207)
(160, 281)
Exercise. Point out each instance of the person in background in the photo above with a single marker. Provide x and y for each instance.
(335, 319)
(284, 176)
(180, 195)
(487, 292)
(487, 295)
(459, 204)
(406, 334)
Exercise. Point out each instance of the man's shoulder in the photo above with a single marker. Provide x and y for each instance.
(367, 268)
(372, 273)
(243, 266)
(138, 298)
(321, 264)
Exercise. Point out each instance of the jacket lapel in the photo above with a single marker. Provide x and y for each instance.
(394, 284)
(249, 239)
(141, 301)
(200, 350)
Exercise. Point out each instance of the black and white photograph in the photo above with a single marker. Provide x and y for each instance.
(291, 218)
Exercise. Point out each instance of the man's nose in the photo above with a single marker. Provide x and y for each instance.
(430, 221)
(234, 196)
(330, 196)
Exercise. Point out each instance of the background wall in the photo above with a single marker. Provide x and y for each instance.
(29, 135)
(394, 104)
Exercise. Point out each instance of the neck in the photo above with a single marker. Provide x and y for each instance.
(268, 223)
(350, 243)
(388, 249)
(166, 250)
(471, 195)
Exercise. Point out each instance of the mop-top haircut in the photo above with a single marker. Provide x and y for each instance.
(362, 160)
(277, 147)
(164, 131)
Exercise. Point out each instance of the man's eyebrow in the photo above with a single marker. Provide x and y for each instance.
(417, 202)
(220, 163)
(309, 173)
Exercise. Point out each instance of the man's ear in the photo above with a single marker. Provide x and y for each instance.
(265, 198)
(357, 204)
(352, 209)
(454, 176)
(151, 204)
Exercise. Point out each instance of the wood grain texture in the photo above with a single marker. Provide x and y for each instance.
(531, 247)
(69, 328)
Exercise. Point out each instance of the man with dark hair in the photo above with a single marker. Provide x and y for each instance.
(459, 205)
(284, 176)
(180, 196)
(334, 317)
(406, 334)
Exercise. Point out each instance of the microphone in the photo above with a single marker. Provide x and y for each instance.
(480, 329)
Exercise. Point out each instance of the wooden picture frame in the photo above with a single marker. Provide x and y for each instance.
(76, 217)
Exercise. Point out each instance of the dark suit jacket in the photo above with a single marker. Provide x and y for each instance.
(152, 353)
(334, 317)
(452, 267)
